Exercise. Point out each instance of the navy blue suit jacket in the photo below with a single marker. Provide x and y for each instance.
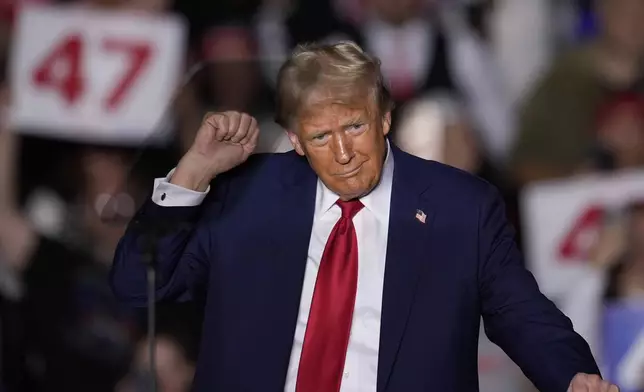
(245, 249)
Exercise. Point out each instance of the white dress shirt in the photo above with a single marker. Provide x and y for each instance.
(371, 224)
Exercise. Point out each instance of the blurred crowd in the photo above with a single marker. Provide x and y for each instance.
(514, 91)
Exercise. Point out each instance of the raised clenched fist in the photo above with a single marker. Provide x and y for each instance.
(224, 140)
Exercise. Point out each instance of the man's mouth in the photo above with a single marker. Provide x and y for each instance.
(350, 173)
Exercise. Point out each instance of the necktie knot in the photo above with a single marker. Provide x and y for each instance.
(350, 208)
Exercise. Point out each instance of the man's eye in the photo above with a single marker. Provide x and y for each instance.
(320, 137)
(356, 127)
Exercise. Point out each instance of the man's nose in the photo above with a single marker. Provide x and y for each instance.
(342, 148)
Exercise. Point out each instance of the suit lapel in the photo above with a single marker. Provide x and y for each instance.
(292, 222)
(405, 256)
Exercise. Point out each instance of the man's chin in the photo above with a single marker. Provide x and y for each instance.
(356, 192)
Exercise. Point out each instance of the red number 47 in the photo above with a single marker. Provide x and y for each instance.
(62, 69)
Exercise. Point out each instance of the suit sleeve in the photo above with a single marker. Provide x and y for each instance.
(517, 316)
(178, 225)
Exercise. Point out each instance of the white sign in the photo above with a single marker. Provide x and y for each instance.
(562, 220)
(94, 76)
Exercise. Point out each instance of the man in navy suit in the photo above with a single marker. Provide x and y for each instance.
(347, 264)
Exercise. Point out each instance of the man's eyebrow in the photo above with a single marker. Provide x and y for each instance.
(355, 120)
(320, 132)
(317, 127)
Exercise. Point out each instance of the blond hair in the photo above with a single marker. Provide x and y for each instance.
(321, 74)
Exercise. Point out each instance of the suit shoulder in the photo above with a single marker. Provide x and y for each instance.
(454, 183)
(446, 174)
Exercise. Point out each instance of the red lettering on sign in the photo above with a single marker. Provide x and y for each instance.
(61, 69)
(581, 237)
(139, 55)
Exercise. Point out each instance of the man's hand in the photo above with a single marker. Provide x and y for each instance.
(224, 141)
(583, 382)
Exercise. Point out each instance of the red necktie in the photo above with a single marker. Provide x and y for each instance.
(327, 331)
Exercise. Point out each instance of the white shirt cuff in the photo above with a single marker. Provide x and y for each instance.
(166, 194)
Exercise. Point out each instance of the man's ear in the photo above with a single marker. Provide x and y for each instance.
(386, 123)
(295, 141)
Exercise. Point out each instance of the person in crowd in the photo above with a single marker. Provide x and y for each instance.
(69, 332)
(619, 145)
(280, 25)
(290, 249)
(436, 127)
(556, 122)
(432, 47)
(626, 276)
(616, 259)
(620, 133)
(523, 42)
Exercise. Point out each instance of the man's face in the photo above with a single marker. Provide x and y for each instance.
(344, 146)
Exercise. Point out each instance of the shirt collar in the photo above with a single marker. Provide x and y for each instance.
(375, 201)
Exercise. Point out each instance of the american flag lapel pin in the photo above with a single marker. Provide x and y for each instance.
(421, 216)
